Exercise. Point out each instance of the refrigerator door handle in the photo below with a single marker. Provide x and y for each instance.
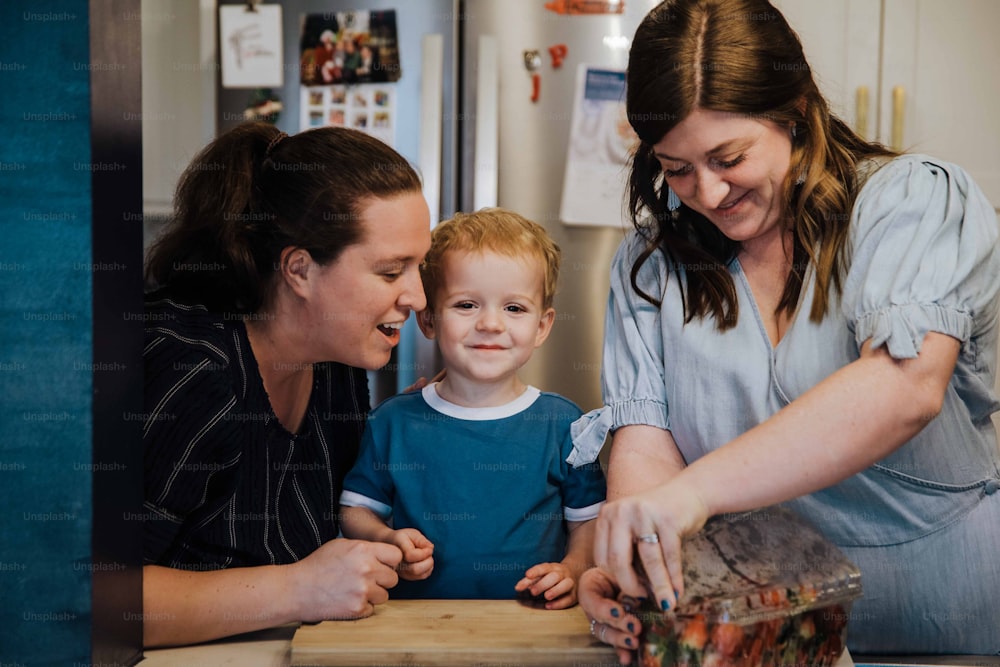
(431, 120)
(484, 187)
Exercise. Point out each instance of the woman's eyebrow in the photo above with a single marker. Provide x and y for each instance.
(724, 147)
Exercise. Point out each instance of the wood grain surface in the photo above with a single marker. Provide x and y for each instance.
(465, 633)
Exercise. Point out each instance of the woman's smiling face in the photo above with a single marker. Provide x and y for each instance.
(731, 168)
(360, 300)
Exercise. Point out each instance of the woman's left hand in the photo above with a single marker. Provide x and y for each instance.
(423, 382)
(652, 524)
(610, 621)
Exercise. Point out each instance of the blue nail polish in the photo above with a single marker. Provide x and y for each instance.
(631, 626)
(614, 612)
(664, 605)
(628, 641)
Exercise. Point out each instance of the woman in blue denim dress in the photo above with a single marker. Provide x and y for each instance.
(799, 317)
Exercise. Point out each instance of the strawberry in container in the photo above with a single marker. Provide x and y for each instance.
(760, 588)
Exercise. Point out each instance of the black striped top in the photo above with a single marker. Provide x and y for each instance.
(225, 484)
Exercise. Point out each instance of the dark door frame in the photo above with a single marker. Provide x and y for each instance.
(116, 145)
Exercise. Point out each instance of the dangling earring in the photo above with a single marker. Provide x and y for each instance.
(801, 178)
(673, 201)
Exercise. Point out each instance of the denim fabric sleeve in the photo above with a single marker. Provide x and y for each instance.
(633, 364)
(924, 256)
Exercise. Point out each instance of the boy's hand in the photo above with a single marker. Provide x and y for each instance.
(552, 581)
(418, 561)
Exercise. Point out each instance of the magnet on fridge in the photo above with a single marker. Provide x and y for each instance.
(532, 61)
(586, 6)
(558, 53)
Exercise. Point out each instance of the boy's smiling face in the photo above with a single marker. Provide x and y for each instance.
(488, 318)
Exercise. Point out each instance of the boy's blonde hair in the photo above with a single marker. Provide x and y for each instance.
(491, 230)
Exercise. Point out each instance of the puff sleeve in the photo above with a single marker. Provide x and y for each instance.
(632, 369)
(924, 256)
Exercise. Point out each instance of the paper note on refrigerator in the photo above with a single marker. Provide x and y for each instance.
(250, 46)
(599, 146)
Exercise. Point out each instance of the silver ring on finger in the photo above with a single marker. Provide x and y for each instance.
(604, 629)
(648, 538)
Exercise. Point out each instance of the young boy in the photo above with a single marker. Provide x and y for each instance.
(471, 471)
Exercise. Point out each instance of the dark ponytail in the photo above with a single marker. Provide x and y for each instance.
(253, 192)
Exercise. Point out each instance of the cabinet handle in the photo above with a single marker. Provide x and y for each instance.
(898, 110)
(861, 111)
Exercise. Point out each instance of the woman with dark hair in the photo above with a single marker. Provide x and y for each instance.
(289, 268)
(800, 317)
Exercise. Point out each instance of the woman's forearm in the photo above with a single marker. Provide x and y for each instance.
(855, 417)
(642, 457)
(186, 607)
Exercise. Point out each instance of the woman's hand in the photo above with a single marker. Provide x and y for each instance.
(553, 581)
(418, 554)
(652, 525)
(423, 382)
(609, 621)
(344, 579)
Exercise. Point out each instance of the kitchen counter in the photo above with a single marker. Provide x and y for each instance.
(908, 660)
(408, 632)
(264, 648)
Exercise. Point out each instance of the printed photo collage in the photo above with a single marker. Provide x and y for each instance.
(349, 63)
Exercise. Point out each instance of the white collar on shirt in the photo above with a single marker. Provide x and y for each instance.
(519, 404)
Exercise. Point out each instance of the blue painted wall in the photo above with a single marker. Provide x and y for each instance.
(45, 333)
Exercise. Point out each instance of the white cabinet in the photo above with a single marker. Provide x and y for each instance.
(930, 69)
(841, 40)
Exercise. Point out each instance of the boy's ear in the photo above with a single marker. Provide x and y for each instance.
(425, 320)
(545, 326)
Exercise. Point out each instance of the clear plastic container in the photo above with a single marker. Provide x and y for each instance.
(760, 588)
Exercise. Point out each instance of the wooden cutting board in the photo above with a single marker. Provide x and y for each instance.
(455, 633)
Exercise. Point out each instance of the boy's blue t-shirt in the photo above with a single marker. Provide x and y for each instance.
(490, 487)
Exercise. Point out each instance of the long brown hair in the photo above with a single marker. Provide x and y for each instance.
(253, 192)
(742, 57)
